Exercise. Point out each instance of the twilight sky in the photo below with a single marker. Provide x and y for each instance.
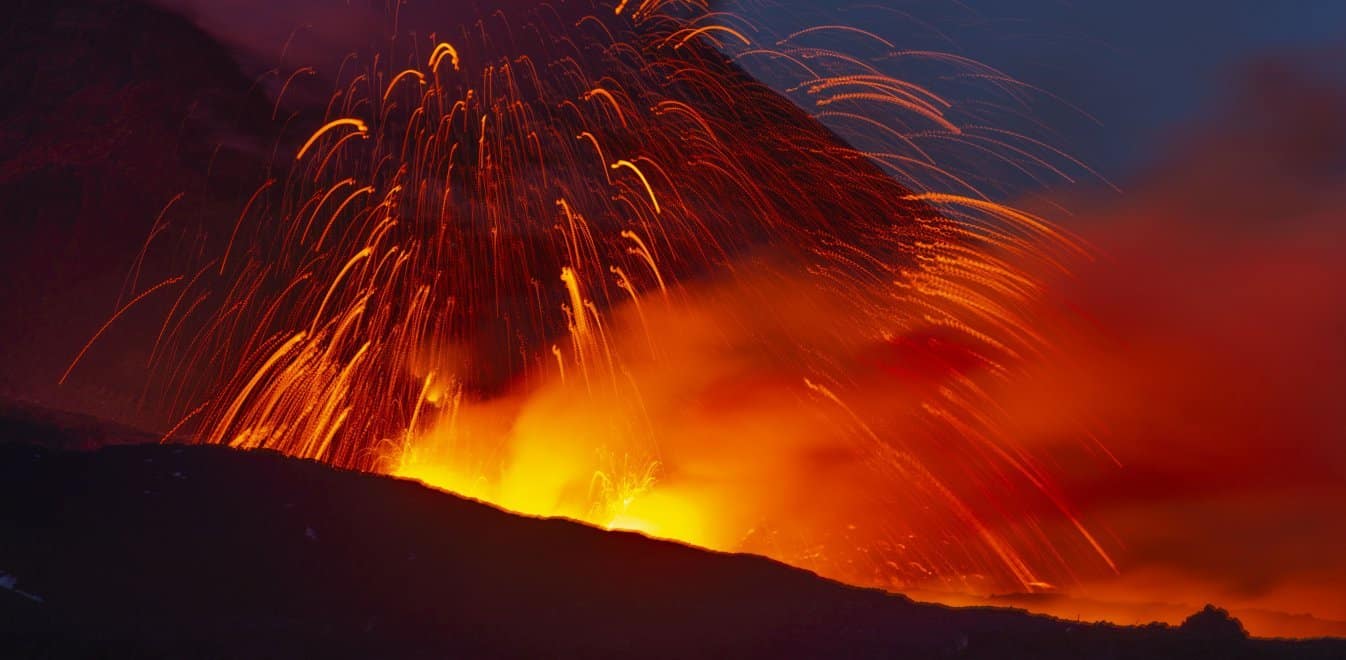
(1140, 67)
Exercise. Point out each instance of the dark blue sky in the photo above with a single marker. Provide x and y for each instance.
(1142, 67)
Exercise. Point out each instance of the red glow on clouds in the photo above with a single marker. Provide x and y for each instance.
(1217, 381)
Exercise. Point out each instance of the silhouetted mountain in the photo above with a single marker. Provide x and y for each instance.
(189, 551)
(56, 429)
(111, 109)
(114, 108)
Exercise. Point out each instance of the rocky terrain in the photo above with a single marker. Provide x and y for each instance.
(147, 550)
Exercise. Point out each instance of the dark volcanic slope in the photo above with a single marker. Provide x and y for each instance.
(109, 109)
(203, 551)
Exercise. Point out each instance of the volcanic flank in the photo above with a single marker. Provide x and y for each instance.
(190, 551)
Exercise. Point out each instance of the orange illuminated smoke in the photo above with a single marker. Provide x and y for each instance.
(605, 274)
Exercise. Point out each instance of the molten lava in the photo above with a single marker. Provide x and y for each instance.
(571, 259)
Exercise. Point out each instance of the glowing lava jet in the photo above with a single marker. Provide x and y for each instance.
(571, 259)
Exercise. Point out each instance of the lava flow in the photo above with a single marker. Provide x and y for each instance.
(572, 259)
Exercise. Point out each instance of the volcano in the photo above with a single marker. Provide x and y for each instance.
(140, 550)
(575, 260)
(657, 290)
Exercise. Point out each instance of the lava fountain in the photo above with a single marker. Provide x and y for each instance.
(571, 259)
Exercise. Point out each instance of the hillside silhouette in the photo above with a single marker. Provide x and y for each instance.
(203, 551)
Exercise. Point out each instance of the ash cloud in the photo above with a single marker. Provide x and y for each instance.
(1220, 358)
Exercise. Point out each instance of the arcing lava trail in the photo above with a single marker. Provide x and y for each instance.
(572, 259)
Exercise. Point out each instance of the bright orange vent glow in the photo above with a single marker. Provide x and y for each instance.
(573, 261)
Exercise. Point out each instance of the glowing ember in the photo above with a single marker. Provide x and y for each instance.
(574, 261)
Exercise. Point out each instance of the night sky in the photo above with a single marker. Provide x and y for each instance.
(1143, 68)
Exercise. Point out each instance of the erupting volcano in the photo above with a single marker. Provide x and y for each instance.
(572, 260)
(714, 273)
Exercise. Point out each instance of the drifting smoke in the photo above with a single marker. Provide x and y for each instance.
(1217, 375)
